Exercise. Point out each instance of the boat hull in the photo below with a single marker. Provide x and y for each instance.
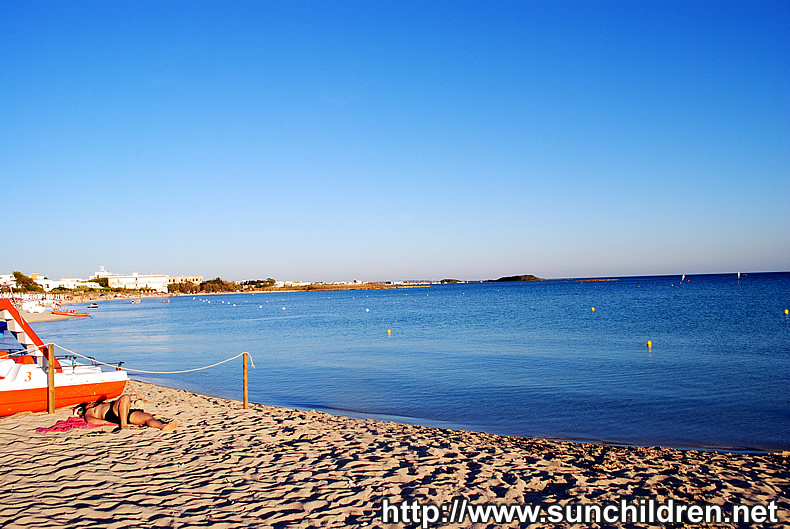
(24, 378)
(35, 399)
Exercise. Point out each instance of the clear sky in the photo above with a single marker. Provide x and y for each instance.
(377, 140)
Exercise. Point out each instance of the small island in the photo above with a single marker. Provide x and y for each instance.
(528, 277)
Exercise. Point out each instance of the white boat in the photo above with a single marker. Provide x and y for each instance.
(23, 372)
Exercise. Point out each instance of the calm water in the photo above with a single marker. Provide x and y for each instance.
(527, 359)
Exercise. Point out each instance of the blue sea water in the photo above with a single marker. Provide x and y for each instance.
(527, 359)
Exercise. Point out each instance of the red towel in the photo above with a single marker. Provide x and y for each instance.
(68, 424)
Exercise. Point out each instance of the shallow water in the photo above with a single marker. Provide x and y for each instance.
(529, 359)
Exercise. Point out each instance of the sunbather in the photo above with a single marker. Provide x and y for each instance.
(121, 412)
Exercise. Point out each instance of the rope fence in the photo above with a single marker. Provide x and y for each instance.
(51, 369)
(155, 372)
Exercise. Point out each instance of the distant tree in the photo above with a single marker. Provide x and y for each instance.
(258, 283)
(26, 284)
(218, 285)
(187, 287)
(103, 281)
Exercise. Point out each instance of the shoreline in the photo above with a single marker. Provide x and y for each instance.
(411, 421)
(415, 421)
(272, 467)
(95, 298)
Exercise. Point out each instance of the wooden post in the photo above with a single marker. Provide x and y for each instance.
(246, 401)
(50, 378)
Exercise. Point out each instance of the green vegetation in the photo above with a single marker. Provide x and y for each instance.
(258, 284)
(187, 287)
(26, 284)
(218, 285)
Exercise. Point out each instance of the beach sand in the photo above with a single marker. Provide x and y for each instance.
(36, 317)
(273, 467)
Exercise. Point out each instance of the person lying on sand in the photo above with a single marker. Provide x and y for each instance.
(121, 412)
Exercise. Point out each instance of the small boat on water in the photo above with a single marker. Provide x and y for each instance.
(72, 313)
(23, 372)
(93, 306)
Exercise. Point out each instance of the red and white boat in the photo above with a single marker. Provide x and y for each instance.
(23, 375)
(71, 313)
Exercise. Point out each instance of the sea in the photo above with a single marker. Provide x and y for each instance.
(565, 359)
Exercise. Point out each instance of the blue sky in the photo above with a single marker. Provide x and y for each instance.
(376, 140)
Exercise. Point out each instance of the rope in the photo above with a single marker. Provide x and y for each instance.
(129, 383)
(157, 372)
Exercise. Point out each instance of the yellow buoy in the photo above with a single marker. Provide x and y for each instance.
(649, 344)
(787, 312)
(389, 331)
(593, 309)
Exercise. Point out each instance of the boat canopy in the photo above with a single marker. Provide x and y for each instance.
(21, 331)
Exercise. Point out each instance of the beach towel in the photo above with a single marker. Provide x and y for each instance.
(68, 424)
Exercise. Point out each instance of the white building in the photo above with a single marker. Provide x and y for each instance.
(134, 281)
(70, 284)
(185, 279)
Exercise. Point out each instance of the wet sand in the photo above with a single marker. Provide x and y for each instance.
(274, 467)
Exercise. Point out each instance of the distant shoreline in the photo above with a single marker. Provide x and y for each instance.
(89, 298)
(318, 287)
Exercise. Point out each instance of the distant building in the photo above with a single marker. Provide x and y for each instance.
(102, 273)
(134, 281)
(138, 282)
(185, 279)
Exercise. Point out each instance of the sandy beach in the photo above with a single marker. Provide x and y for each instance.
(272, 467)
(36, 317)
